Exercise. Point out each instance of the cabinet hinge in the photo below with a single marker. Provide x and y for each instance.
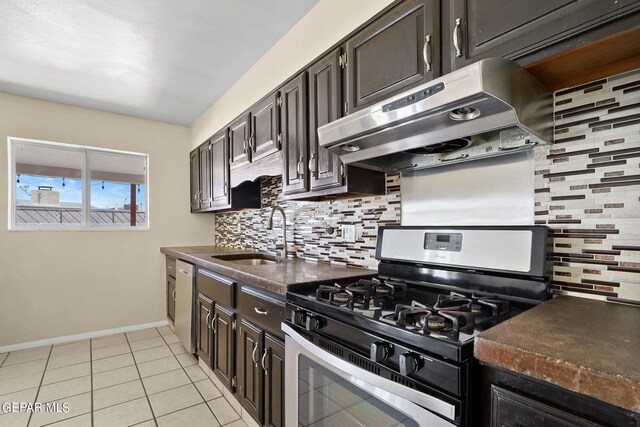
(233, 325)
(346, 107)
(279, 101)
(234, 382)
(342, 60)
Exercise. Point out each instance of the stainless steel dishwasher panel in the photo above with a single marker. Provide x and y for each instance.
(184, 304)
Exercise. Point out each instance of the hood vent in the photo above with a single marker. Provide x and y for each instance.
(488, 108)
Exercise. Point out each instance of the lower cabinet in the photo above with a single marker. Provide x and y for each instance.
(272, 362)
(204, 331)
(510, 399)
(223, 345)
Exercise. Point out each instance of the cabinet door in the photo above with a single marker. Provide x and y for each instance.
(512, 409)
(249, 371)
(204, 334)
(517, 30)
(264, 127)
(325, 101)
(205, 175)
(220, 170)
(171, 299)
(273, 366)
(398, 50)
(195, 180)
(223, 344)
(239, 133)
(294, 135)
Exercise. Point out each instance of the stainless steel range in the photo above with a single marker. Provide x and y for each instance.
(398, 349)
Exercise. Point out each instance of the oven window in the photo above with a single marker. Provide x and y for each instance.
(326, 399)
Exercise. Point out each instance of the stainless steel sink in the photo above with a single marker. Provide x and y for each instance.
(247, 259)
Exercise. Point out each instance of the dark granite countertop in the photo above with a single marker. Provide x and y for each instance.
(292, 274)
(587, 346)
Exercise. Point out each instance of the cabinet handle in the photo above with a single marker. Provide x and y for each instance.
(253, 354)
(244, 145)
(261, 311)
(252, 145)
(312, 164)
(300, 167)
(207, 319)
(457, 38)
(174, 295)
(213, 322)
(426, 51)
(226, 184)
(263, 362)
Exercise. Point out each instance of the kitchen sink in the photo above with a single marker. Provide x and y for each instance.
(247, 259)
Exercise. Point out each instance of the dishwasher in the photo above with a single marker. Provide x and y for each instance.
(184, 304)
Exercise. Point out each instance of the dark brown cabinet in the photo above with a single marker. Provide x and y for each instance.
(265, 127)
(170, 266)
(223, 345)
(220, 170)
(524, 31)
(194, 160)
(249, 374)
(399, 50)
(204, 332)
(204, 157)
(239, 133)
(325, 100)
(273, 366)
(294, 135)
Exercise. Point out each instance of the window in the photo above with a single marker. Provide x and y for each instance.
(62, 186)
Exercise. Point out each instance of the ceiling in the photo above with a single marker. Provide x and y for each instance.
(164, 60)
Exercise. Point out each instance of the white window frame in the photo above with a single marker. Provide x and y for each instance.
(86, 190)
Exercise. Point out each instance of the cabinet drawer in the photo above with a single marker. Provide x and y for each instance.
(218, 288)
(171, 267)
(262, 309)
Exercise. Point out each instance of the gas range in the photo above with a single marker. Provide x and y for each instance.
(413, 325)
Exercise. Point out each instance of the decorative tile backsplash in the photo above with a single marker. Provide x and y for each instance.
(313, 228)
(587, 190)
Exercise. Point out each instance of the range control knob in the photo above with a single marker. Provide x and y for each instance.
(380, 351)
(408, 363)
(297, 317)
(313, 323)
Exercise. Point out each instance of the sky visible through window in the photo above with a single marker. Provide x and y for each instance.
(113, 196)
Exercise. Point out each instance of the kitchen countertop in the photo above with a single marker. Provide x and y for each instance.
(292, 274)
(587, 346)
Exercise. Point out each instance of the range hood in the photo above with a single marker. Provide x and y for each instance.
(491, 107)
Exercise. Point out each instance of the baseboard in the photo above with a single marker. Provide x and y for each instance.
(79, 337)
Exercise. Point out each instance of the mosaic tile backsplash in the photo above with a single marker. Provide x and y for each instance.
(587, 190)
(313, 228)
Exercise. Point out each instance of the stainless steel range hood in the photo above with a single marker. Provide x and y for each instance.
(487, 108)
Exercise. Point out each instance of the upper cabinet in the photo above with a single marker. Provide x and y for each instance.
(239, 133)
(265, 127)
(524, 31)
(204, 156)
(194, 159)
(294, 135)
(398, 50)
(325, 100)
(220, 170)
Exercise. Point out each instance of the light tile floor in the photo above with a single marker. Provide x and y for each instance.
(143, 378)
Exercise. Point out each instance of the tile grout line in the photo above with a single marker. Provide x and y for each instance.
(41, 379)
(192, 382)
(153, 415)
(91, 373)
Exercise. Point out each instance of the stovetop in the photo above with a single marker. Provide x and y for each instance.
(392, 305)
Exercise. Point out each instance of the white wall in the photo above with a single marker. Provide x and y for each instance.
(316, 32)
(62, 283)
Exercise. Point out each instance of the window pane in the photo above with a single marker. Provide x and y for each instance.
(48, 185)
(117, 188)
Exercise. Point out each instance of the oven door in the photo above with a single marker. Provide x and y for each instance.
(324, 390)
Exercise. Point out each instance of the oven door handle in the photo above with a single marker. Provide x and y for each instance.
(363, 378)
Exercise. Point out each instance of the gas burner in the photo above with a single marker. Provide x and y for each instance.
(435, 322)
(340, 297)
(453, 302)
(324, 292)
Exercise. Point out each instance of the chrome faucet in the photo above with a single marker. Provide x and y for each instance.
(283, 248)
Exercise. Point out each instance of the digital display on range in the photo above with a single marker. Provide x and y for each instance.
(443, 242)
(443, 238)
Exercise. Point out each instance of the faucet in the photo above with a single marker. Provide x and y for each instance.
(283, 248)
